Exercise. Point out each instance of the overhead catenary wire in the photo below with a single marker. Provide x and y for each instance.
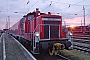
(53, 2)
(69, 4)
(34, 4)
(76, 4)
(48, 6)
(79, 2)
(24, 8)
(28, 5)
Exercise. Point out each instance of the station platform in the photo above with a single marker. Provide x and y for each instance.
(11, 49)
(0, 47)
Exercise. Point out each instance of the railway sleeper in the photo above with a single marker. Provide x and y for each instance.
(82, 49)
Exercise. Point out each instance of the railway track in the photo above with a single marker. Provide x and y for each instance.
(64, 57)
(82, 47)
(46, 56)
(81, 38)
(77, 36)
(82, 42)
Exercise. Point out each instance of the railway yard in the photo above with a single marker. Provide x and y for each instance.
(45, 30)
(13, 51)
(82, 42)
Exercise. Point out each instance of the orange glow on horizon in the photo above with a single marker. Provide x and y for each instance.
(72, 26)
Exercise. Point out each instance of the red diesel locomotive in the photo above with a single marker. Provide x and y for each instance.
(41, 30)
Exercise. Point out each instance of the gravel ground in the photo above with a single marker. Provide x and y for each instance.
(13, 51)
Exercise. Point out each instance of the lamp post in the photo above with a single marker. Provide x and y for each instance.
(89, 31)
(84, 18)
(81, 25)
(8, 22)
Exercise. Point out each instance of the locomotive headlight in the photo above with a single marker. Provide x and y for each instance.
(70, 34)
(38, 13)
(37, 34)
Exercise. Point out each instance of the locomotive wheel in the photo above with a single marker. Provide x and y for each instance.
(68, 44)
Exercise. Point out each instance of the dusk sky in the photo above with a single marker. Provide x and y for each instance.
(72, 11)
